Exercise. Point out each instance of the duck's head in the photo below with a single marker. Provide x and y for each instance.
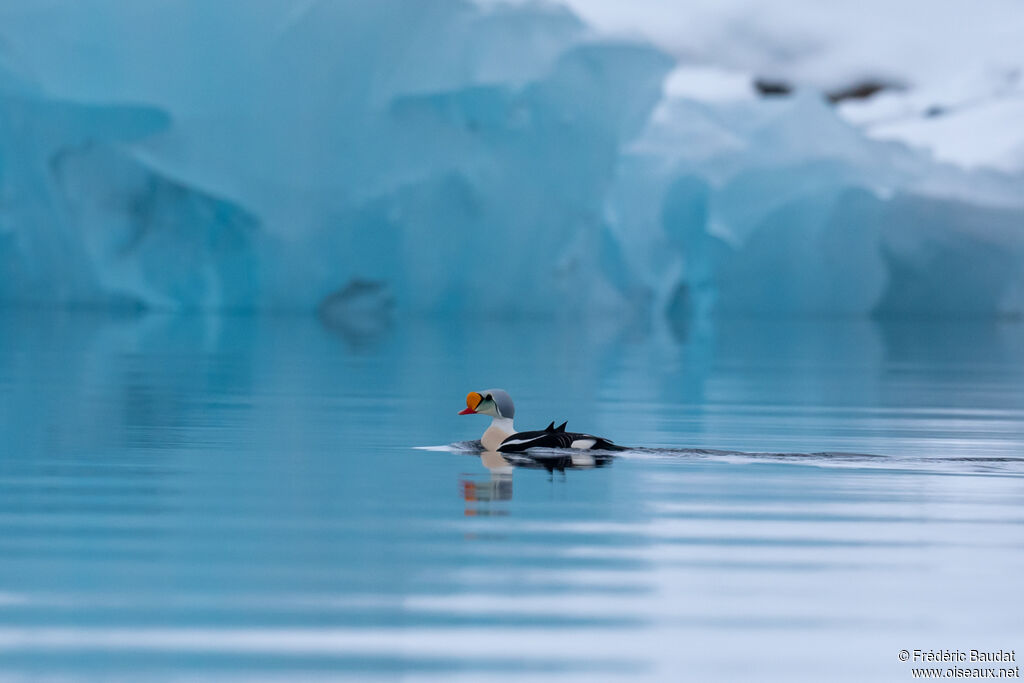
(493, 402)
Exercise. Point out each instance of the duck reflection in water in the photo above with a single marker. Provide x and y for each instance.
(479, 491)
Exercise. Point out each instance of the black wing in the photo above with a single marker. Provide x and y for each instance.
(555, 438)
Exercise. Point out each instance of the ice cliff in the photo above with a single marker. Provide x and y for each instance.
(444, 156)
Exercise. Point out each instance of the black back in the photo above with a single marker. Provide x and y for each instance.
(553, 437)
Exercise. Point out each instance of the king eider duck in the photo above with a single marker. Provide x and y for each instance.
(502, 435)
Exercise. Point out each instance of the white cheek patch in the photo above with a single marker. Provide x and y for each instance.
(583, 444)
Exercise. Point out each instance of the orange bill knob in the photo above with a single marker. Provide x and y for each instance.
(472, 401)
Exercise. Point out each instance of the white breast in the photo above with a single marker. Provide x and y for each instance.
(500, 429)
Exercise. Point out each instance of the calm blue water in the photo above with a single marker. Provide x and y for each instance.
(241, 498)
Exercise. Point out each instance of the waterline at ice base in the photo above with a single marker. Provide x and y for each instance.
(455, 157)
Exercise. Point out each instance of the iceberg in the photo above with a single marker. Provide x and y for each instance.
(452, 157)
(83, 223)
(775, 207)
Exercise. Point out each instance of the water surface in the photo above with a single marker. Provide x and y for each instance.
(242, 498)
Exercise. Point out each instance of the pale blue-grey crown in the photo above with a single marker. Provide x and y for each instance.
(504, 402)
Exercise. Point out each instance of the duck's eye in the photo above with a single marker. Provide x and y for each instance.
(488, 397)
